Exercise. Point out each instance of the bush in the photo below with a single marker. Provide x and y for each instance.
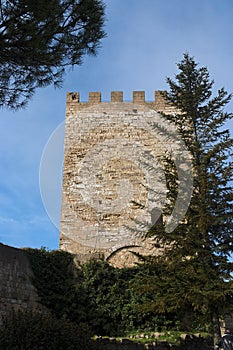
(36, 331)
(111, 301)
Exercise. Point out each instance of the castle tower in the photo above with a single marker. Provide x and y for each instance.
(113, 181)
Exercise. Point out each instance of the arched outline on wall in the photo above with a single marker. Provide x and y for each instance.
(122, 248)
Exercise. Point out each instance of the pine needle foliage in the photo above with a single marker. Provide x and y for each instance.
(195, 274)
(38, 39)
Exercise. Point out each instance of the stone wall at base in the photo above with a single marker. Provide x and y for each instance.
(16, 289)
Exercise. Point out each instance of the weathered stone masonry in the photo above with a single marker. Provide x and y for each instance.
(16, 289)
(105, 142)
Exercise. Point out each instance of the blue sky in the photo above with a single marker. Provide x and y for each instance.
(145, 41)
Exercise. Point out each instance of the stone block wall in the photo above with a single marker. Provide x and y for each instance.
(107, 187)
(16, 289)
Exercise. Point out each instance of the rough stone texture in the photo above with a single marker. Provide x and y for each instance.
(110, 196)
(16, 289)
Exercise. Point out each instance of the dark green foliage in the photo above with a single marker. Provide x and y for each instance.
(53, 276)
(115, 304)
(96, 293)
(117, 301)
(194, 275)
(38, 39)
(59, 283)
(186, 292)
(107, 295)
(35, 331)
(209, 227)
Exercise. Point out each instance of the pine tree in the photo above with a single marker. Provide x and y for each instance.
(194, 274)
(38, 39)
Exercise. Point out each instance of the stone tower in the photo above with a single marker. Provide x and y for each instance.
(113, 180)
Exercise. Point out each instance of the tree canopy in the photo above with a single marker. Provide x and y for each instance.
(38, 39)
(194, 275)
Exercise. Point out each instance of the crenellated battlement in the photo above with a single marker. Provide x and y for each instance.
(116, 96)
(160, 103)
